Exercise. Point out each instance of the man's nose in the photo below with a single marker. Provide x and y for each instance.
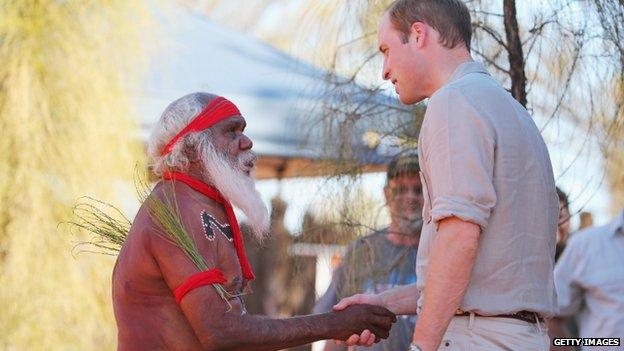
(385, 72)
(411, 199)
(245, 143)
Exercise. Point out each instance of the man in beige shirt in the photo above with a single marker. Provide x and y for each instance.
(485, 259)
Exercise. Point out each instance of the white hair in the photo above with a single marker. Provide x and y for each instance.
(175, 117)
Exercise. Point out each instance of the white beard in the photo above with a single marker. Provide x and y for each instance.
(236, 186)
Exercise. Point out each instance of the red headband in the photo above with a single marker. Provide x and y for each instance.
(216, 111)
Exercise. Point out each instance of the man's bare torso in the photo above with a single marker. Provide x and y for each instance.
(148, 317)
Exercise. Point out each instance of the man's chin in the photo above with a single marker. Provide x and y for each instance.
(247, 171)
(412, 227)
(406, 99)
(251, 176)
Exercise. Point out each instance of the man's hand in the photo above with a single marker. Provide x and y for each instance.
(366, 319)
(359, 299)
(366, 337)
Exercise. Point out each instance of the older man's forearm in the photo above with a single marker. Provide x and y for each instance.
(450, 266)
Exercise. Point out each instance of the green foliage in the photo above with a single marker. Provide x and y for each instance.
(108, 225)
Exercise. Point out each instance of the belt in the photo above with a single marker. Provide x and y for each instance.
(525, 316)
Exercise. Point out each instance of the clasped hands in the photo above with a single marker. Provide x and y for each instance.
(366, 338)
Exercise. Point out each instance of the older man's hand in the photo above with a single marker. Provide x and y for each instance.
(366, 338)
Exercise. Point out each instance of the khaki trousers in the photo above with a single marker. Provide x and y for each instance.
(471, 333)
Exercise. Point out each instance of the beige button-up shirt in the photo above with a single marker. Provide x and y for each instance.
(589, 277)
(484, 161)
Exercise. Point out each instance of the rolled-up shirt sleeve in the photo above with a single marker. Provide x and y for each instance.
(459, 147)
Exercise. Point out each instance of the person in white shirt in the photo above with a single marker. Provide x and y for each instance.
(589, 279)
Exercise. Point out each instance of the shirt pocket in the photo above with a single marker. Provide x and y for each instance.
(426, 198)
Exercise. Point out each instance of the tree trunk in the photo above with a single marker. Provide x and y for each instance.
(514, 49)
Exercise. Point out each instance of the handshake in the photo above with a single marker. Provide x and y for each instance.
(361, 320)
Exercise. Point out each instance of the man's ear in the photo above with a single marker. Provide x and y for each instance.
(418, 33)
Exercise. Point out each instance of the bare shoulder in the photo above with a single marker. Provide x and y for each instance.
(185, 201)
(205, 223)
(149, 248)
(137, 273)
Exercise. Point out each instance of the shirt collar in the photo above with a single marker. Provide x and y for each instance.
(467, 68)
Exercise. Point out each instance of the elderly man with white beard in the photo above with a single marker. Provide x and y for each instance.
(161, 299)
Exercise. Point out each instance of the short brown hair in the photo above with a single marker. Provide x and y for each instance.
(403, 163)
(449, 17)
(563, 198)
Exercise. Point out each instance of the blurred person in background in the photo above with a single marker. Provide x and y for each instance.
(563, 232)
(386, 258)
(563, 229)
(589, 278)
